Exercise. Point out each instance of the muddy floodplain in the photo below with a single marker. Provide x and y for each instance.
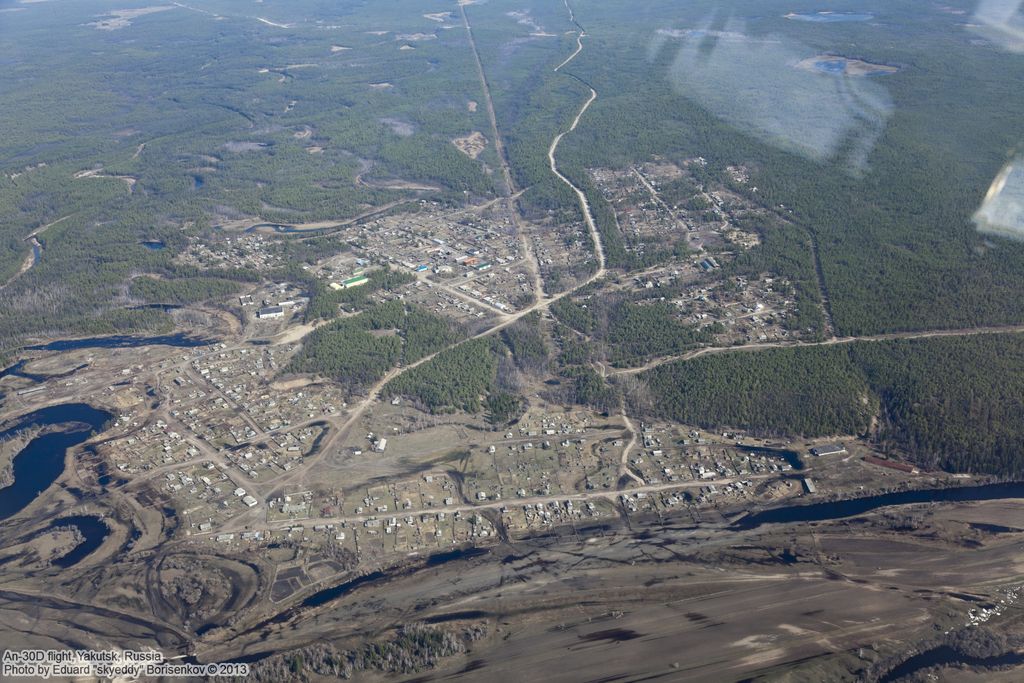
(836, 600)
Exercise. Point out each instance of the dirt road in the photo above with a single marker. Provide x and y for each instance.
(761, 346)
(506, 172)
(373, 394)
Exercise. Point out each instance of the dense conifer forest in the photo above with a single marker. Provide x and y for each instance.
(954, 403)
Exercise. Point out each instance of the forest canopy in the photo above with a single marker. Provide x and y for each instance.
(955, 403)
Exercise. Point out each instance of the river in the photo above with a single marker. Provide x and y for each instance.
(328, 594)
(819, 512)
(120, 342)
(945, 655)
(17, 370)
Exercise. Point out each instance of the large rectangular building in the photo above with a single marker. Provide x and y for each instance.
(270, 312)
(354, 281)
(829, 449)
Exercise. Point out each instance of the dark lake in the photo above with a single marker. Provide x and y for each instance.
(93, 531)
(41, 461)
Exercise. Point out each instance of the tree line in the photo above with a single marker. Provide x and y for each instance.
(953, 403)
(357, 351)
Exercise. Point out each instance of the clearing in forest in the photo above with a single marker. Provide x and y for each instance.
(471, 145)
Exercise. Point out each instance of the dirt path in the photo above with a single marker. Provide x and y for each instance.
(40, 230)
(656, 197)
(826, 304)
(299, 332)
(374, 392)
(584, 204)
(480, 303)
(506, 173)
(26, 265)
(395, 185)
(762, 346)
(624, 469)
(130, 181)
(579, 37)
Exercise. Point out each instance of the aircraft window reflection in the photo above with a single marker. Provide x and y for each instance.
(787, 94)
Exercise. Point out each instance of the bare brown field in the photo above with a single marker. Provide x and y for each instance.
(471, 145)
